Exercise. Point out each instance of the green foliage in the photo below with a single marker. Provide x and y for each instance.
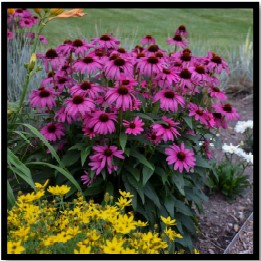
(228, 179)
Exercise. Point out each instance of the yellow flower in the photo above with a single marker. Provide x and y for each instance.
(59, 190)
(63, 237)
(125, 194)
(124, 224)
(128, 251)
(196, 251)
(167, 221)
(114, 246)
(123, 202)
(14, 248)
(30, 197)
(83, 250)
(22, 233)
(139, 223)
(172, 234)
(39, 186)
(70, 13)
(10, 10)
(93, 235)
(73, 231)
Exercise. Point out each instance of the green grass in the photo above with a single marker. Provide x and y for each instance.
(209, 29)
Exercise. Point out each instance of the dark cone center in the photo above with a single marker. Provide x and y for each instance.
(125, 82)
(44, 94)
(217, 115)
(153, 60)
(62, 80)
(166, 71)
(104, 117)
(85, 86)
(153, 48)
(121, 50)
(119, 62)
(216, 89)
(123, 90)
(67, 42)
(200, 69)
(182, 28)
(185, 57)
(51, 128)
(177, 38)
(199, 112)
(227, 107)
(51, 54)
(132, 125)
(77, 43)
(148, 36)
(78, 99)
(87, 60)
(169, 94)
(185, 74)
(181, 156)
(165, 126)
(216, 59)
(105, 37)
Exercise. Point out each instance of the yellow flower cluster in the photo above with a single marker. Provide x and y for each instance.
(40, 226)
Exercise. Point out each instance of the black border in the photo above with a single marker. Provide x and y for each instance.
(250, 5)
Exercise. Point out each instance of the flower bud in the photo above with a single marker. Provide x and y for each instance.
(32, 61)
(37, 10)
(56, 11)
(10, 11)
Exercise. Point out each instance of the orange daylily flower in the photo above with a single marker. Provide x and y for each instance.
(78, 12)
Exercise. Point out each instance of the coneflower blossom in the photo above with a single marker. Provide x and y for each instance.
(42, 39)
(62, 80)
(153, 49)
(215, 92)
(169, 100)
(79, 46)
(53, 131)
(148, 40)
(182, 31)
(61, 116)
(102, 122)
(177, 40)
(9, 34)
(198, 112)
(43, 98)
(167, 78)
(78, 105)
(123, 96)
(86, 179)
(184, 57)
(166, 130)
(181, 157)
(103, 157)
(199, 74)
(22, 12)
(226, 110)
(220, 120)
(216, 64)
(149, 65)
(134, 127)
(65, 48)
(89, 64)
(87, 89)
(116, 68)
(106, 41)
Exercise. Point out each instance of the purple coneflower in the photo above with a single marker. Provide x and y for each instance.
(42, 39)
(86, 179)
(148, 39)
(134, 127)
(198, 113)
(177, 40)
(79, 46)
(89, 64)
(216, 64)
(61, 116)
(215, 92)
(167, 78)
(169, 100)
(220, 120)
(167, 131)
(86, 88)
(226, 110)
(182, 31)
(53, 131)
(106, 41)
(65, 48)
(181, 157)
(103, 157)
(9, 34)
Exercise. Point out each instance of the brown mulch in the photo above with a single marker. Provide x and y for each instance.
(221, 219)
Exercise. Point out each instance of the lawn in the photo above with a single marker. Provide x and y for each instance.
(209, 29)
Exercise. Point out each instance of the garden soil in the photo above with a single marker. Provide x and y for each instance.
(222, 219)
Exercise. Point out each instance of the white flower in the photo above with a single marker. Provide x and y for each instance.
(249, 157)
(241, 126)
(229, 148)
(240, 152)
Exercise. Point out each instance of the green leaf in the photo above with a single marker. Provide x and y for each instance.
(123, 140)
(141, 159)
(181, 207)
(137, 186)
(162, 173)
(92, 191)
(85, 152)
(70, 158)
(151, 194)
(109, 188)
(188, 120)
(133, 192)
(20, 169)
(62, 171)
(201, 162)
(134, 172)
(10, 196)
(178, 180)
(145, 116)
(24, 137)
(46, 143)
(169, 205)
(146, 173)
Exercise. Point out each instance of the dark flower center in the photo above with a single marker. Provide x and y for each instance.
(50, 74)
(159, 54)
(216, 59)
(108, 152)
(62, 80)
(77, 43)
(186, 50)
(121, 50)
(177, 64)
(104, 117)
(227, 107)
(185, 57)
(67, 42)
(78, 99)
(87, 59)
(182, 28)
(114, 57)
(51, 53)
(200, 69)
(166, 71)
(185, 74)
(51, 128)
(119, 62)
(140, 55)
(216, 89)
(153, 136)
(44, 93)
(148, 36)
(98, 53)
(177, 38)
(41, 88)
(105, 37)
(199, 112)
(132, 125)
(139, 47)
(14, 247)
(85, 85)
(217, 115)
(123, 90)
(181, 156)
(125, 82)
(65, 67)
(169, 94)
(26, 22)
(19, 10)
(153, 60)
(153, 48)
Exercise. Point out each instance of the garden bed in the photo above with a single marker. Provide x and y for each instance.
(221, 219)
